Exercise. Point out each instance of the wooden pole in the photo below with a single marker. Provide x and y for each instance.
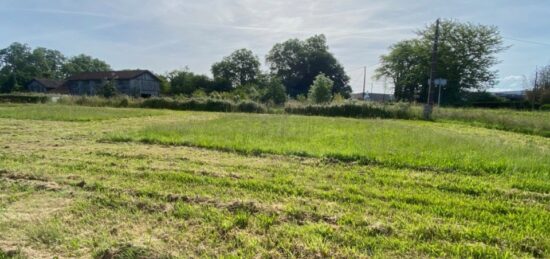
(364, 81)
(429, 103)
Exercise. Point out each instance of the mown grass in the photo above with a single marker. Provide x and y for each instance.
(64, 193)
(407, 144)
(70, 113)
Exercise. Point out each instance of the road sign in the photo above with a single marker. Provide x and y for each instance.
(440, 82)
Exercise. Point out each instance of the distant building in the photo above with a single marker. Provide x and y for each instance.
(136, 83)
(39, 85)
(373, 97)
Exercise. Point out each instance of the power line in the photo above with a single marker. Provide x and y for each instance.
(528, 41)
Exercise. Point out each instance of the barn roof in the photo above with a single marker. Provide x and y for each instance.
(107, 75)
(49, 83)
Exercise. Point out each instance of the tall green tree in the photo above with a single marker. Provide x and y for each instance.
(298, 62)
(240, 68)
(186, 83)
(320, 91)
(16, 67)
(273, 91)
(466, 56)
(84, 63)
(47, 63)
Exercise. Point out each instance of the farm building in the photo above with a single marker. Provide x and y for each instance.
(373, 97)
(137, 83)
(44, 85)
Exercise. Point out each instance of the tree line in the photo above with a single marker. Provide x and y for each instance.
(19, 64)
(293, 67)
(466, 57)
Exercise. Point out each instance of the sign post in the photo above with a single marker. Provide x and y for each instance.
(440, 82)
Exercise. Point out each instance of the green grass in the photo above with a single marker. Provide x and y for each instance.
(535, 123)
(407, 144)
(65, 193)
(70, 113)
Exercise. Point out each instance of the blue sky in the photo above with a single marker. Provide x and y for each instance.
(163, 35)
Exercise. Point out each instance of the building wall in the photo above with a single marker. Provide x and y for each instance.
(34, 86)
(144, 85)
(84, 87)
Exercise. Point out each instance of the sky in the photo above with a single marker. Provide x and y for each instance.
(163, 35)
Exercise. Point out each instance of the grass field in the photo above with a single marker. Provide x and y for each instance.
(163, 183)
(70, 113)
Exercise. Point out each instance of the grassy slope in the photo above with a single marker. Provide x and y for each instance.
(57, 180)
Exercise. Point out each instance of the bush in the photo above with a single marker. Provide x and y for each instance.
(545, 107)
(321, 90)
(251, 107)
(24, 98)
(364, 110)
(215, 105)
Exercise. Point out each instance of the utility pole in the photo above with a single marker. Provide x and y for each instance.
(429, 104)
(534, 93)
(364, 81)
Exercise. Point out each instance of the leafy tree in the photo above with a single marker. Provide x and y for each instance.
(15, 66)
(164, 84)
(320, 91)
(274, 92)
(240, 68)
(108, 89)
(298, 62)
(84, 63)
(186, 82)
(466, 55)
(540, 90)
(47, 63)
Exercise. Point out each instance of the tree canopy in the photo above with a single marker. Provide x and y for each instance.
(466, 56)
(298, 62)
(186, 83)
(19, 64)
(84, 63)
(239, 68)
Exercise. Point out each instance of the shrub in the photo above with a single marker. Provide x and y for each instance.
(321, 90)
(24, 98)
(209, 104)
(364, 110)
(274, 92)
(545, 107)
(251, 107)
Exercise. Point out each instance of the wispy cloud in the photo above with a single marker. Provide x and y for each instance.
(58, 12)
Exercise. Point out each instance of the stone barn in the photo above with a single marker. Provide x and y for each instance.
(38, 85)
(136, 83)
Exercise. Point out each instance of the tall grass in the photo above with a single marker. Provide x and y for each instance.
(410, 144)
(535, 123)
